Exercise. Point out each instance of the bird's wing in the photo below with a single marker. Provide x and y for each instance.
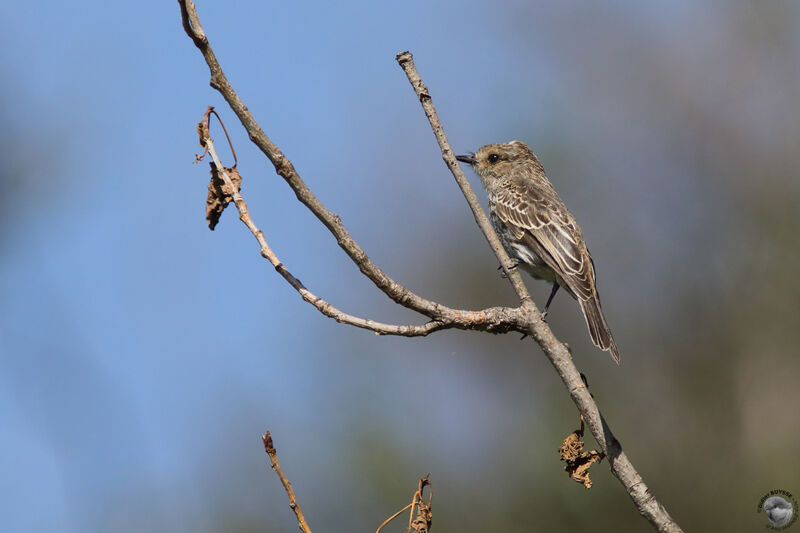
(540, 220)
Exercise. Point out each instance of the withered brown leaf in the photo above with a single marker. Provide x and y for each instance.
(578, 461)
(218, 194)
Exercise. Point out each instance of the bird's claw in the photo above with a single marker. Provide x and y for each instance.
(514, 264)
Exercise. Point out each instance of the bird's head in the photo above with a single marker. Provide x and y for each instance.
(495, 161)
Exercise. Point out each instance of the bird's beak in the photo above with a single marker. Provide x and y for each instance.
(467, 159)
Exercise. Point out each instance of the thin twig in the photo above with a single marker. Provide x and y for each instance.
(395, 515)
(273, 459)
(286, 170)
(224, 129)
(324, 307)
(526, 318)
(422, 522)
(406, 61)
(414, 502)
(557, 352)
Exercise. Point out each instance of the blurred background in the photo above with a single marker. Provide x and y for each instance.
(142, 356)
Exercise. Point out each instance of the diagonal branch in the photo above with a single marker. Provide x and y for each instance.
(406, 61)
(286, 170)
(525, 318)
(465, 320)
(556, 351)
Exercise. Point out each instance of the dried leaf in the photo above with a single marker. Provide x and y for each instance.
(422, 522)
(578, 461)
(202, 132)
(219, 196)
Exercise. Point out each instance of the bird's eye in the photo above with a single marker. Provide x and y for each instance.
(493, 158)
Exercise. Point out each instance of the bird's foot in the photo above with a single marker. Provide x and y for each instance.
(514, 264)
(549, 301)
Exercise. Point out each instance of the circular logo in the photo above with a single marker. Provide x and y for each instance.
(780, 507)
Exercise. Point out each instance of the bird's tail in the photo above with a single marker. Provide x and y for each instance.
(598, 328)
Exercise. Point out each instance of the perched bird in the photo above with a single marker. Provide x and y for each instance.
(538, 231)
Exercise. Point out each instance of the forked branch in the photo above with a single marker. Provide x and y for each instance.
(526, 318)
(231, 190)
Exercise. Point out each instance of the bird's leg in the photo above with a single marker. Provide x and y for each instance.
(550, 299)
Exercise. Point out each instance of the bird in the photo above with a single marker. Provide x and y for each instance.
(537, 230)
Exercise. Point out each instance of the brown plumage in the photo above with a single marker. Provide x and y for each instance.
(538, 231)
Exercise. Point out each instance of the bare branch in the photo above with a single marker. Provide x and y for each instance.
(556, 351)
(495, 319)
(273, 459)
(324, 307)
(526, 318)
(286, 170)
(406, 61)
(395, 515)
(420, 523)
